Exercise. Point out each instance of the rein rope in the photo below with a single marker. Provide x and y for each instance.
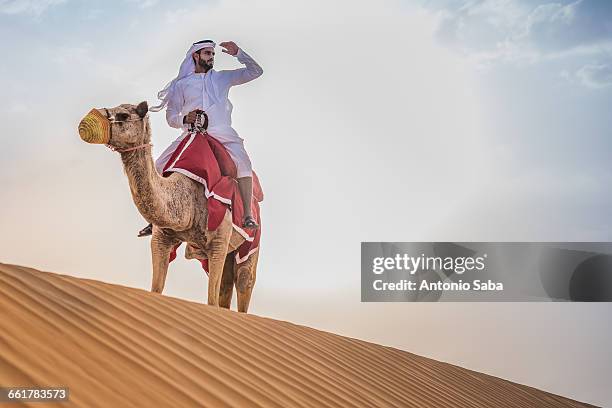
(114, 149)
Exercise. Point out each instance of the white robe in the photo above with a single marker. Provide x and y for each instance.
(209, 92)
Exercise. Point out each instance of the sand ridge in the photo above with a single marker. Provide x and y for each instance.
(115, 346)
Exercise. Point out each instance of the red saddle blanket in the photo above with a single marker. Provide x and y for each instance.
(204, 159)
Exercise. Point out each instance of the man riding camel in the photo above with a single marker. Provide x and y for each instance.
(199, 88)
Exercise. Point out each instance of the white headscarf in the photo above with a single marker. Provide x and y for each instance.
(187, 67)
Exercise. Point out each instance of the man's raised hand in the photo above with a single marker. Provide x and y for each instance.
(230, 47)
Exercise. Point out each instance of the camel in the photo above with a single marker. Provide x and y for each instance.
(175, 205)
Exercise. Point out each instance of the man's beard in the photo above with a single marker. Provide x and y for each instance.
(205, 65)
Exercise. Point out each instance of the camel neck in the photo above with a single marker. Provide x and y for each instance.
(145, 184)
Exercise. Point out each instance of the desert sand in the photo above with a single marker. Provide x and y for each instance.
(115, 346)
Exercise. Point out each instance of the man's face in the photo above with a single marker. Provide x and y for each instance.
(205, 58)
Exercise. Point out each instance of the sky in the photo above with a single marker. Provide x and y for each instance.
(475, 120)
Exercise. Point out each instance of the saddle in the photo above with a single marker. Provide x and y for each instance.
(205, 160)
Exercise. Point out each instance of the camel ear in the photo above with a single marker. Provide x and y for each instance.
(142, 109)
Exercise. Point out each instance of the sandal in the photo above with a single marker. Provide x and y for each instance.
(249, 222)
(146, 231)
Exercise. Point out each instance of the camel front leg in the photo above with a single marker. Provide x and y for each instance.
(161, 246)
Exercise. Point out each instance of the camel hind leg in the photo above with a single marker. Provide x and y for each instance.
(227, 282)
(244, 280)
(217, 253)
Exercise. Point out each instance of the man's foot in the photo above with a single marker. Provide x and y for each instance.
(146, 231)
(249, 222)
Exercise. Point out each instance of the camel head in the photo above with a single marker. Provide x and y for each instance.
(121, 127)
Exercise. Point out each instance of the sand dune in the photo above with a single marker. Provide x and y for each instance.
(121, 347)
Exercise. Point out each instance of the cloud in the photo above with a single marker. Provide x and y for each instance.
(35, 7)
(596, 75)
(519, 30)
(70, 61)
(93, 14)
(176, 16)
(553, 26)
(144, 3)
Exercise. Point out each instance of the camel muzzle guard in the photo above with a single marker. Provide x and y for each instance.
(95, 128)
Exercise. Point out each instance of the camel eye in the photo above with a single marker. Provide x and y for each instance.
(122, 116)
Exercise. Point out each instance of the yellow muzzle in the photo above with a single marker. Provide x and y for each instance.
(95, 128)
